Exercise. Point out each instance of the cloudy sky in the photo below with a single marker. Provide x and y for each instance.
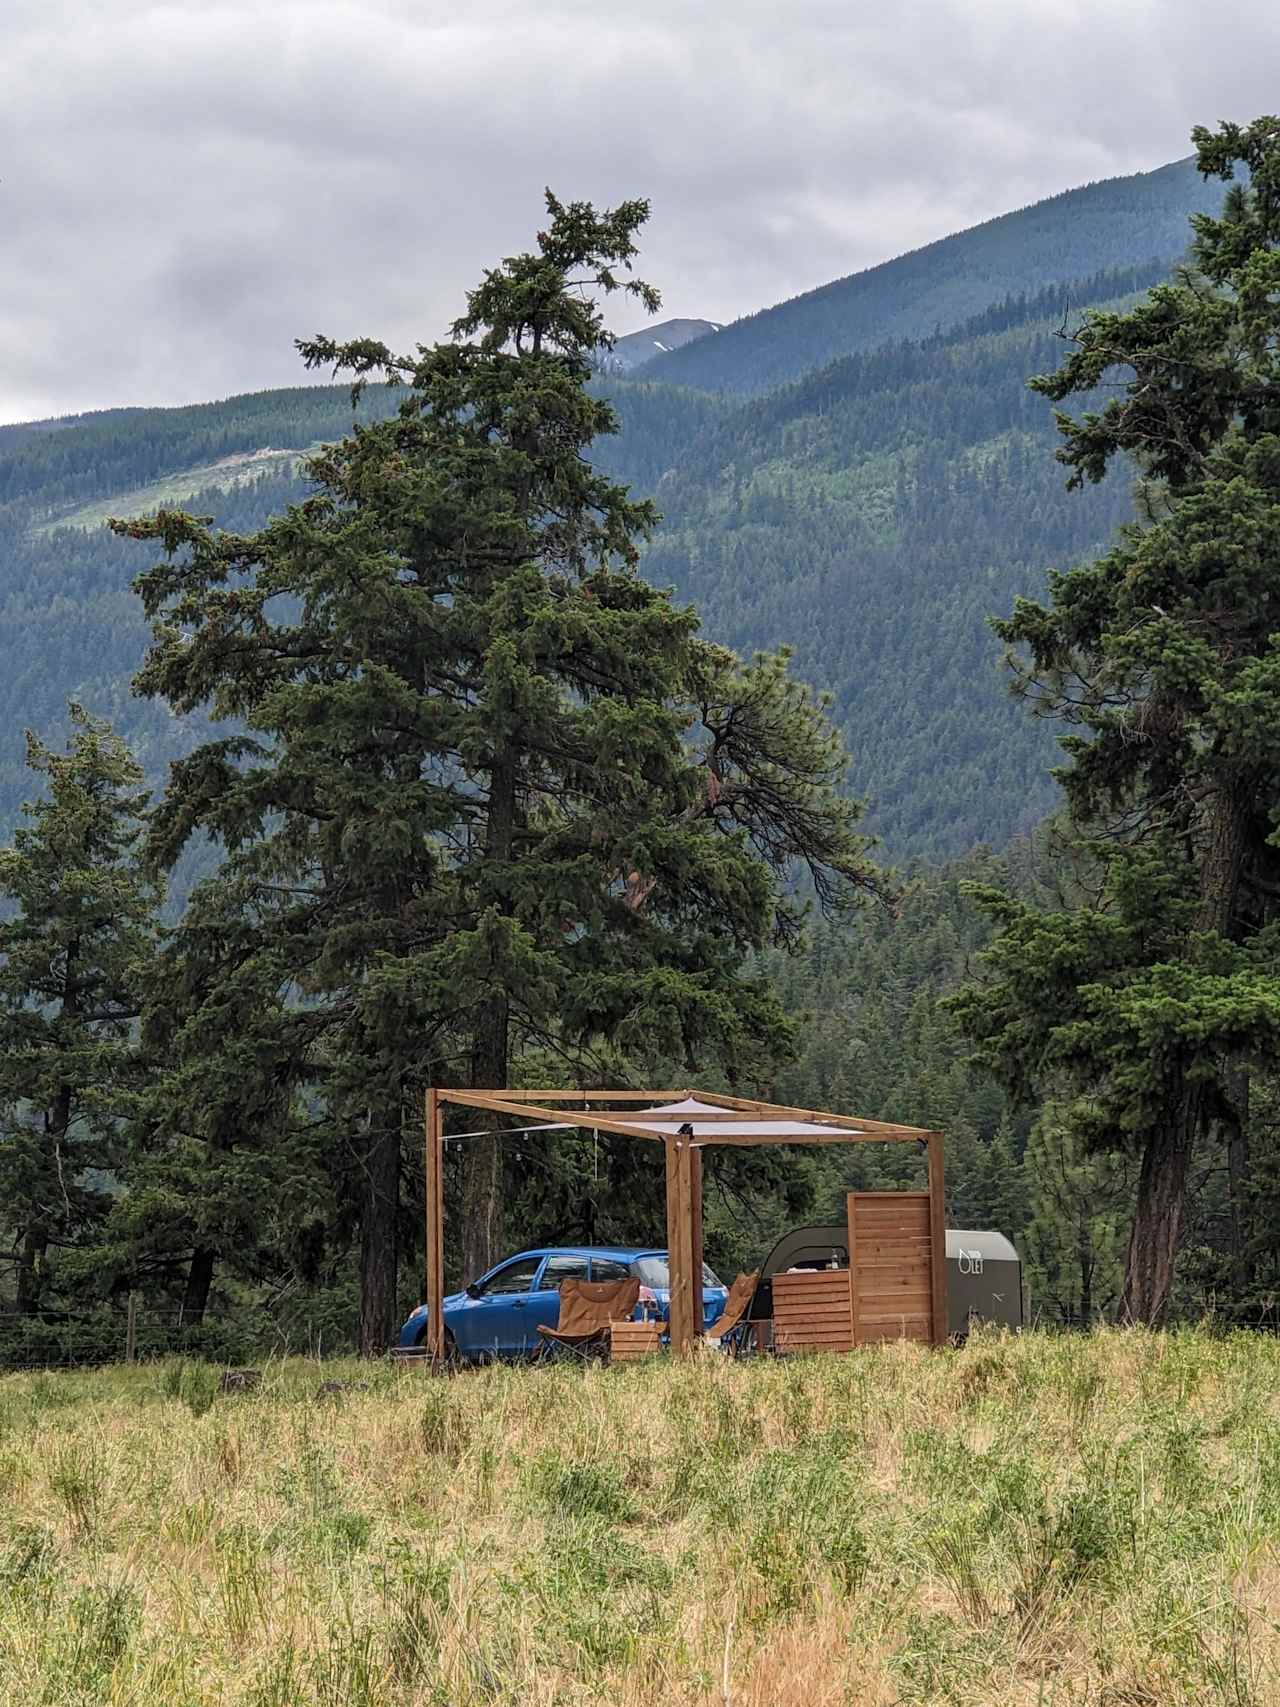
(188, 185)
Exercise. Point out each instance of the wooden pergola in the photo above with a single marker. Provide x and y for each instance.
(685, 1122)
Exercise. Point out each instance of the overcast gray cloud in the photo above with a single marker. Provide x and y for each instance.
(188, 185)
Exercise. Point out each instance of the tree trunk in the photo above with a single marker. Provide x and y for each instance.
(482, 1223)
(379, 1230)
(195, 1299)
(1222, 861)
(51, 1186)
(34, 1244)
(1166, 1161)
(1084, 1254)
(1157, 1214)
(1239, 1169)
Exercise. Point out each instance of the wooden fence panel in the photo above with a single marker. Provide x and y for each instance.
(812, 1311)
(891, 1266)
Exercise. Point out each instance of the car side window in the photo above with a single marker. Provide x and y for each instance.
(605, 1268)
(515, 1277)
(562, 1268)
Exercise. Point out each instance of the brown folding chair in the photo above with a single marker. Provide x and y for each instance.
(736, 1306)
(586, 1309)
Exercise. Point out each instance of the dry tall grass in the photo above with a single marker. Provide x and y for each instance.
(1041, 1520)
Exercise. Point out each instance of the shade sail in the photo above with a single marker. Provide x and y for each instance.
(668, 1117)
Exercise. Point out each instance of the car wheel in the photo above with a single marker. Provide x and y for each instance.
(452, 1359)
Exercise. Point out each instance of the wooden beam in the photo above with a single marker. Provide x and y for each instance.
(853, 1265)
(682, 1208)
(780, 1111)
(695, 1244)
(848, 1129)
(725, 1117)
(589, 1118)
(597, 1096)
(938, 1238)
(676, 1277)
(499, 1104)
(747, 1139)
(434, 1170)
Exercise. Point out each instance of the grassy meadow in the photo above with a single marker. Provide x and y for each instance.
(1035, 1520)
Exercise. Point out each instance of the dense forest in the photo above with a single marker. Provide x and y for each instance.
(368, 890)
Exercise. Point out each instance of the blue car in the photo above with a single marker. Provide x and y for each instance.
(499, 1314)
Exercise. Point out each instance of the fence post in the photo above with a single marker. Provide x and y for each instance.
(131, 1330)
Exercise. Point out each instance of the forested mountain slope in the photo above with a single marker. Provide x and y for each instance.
(872, 515)
(1118, 222)
(70, 627)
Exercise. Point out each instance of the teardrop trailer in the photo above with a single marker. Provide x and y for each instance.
(984, 1274)
(895, 1282)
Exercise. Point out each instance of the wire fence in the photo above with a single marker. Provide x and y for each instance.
(132, 1330)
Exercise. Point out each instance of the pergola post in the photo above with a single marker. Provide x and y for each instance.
(695, 1243)
(684, 1196)
(675, 1264)
(433, 1157)
(938, 1238)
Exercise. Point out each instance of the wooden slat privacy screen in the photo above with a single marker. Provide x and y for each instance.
(811, 1311)
(891, 1266)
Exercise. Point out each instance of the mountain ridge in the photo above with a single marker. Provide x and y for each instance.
(953, 277)
(635, 349)
(872, 513)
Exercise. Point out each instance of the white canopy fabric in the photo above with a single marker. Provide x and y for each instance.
(668, 1117)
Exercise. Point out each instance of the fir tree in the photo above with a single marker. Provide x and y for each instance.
(230, 1167)
(1162, 655)
(495, 792)
(75, 947)
(1074, 1241)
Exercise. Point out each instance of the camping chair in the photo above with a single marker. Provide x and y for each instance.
(736, 1306)
(586, 1309)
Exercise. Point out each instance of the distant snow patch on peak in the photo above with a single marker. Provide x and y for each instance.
(637, 348)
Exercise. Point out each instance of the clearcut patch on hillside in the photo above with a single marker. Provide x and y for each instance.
(225, 475)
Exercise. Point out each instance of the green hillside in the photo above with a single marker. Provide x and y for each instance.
(872, 514)
(1119, 222)
(70, 627)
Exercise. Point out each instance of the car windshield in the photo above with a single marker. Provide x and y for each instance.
(652, 1271)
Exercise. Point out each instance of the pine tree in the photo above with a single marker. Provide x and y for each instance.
(495, 793)
(1074, 1241)
(1150, 1001)
(230, 1174)
(74, 951)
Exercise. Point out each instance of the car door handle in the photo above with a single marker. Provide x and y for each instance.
(518, 1303)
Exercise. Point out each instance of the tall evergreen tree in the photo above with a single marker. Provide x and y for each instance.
(495, 792)
(75, 944)
(228, 1170)
(1164, 656)
(1074, 1239)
